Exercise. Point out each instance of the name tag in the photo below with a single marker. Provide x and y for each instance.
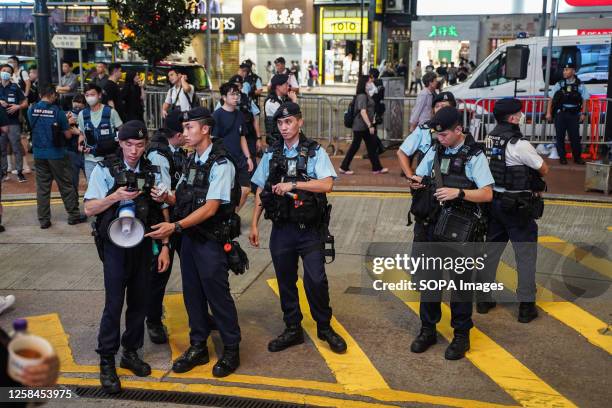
(105, 132)
(11, 99)
(569, 88)
(444, 165)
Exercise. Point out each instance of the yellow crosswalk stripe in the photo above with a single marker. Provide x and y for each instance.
(353, 369)
(567, 313)
(583, 257)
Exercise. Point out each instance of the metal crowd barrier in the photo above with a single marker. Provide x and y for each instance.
(154, 101)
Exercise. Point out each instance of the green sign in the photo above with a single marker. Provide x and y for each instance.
(443, 31)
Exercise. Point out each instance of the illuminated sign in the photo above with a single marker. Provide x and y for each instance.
(226, 23)
(344, 25)
(277, 16)
(438, 31)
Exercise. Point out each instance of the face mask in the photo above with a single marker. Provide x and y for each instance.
(371, 88)
(522, 119)
(91, 100)
(5, 76)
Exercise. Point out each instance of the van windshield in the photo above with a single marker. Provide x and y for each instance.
(590, 59)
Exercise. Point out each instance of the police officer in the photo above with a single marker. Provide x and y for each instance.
(414, 148)
(49, 133)
(12, 100)
(517, 169)
(114, 182)
(568, 107)
(463, 182)
(279, 94)
(293, 177)
(252, 82)
(205, 200)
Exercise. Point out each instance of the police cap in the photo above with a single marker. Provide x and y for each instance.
(173, 121)
(446, 118)
(444, 97)
(134, 129)
(569, 64)
(287, 109)
(236, 79)
(506, 106)
(279, 79)
(198, 113)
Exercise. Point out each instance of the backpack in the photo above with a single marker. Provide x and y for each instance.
(349, 114)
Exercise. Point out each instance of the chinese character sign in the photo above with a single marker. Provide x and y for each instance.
(438, 31)
(278, 16)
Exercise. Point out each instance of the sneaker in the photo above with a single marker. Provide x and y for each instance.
(347, 172)
(27, 170)
(6, 302)
(5, 177)
(14, 172)
(384, 170)
(21, 178)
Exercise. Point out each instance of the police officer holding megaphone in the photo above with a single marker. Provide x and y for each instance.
(120, 195)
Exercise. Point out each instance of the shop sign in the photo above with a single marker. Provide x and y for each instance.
(277, 16)
(438, 31)
(595, 31)
(226, 23)
(344, 25)
(399, 34)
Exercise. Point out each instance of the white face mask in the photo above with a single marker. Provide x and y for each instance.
(371, 88)
(522, 119)
(5, 76)
(91, 100)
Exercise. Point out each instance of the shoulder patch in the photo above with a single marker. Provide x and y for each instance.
(221, 160)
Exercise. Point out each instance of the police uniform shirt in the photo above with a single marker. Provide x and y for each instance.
(13, 95)
(476, 169)
(44, 149)
(246, 87)
(581, 88)
(220, 179)
(420, 139)
(159, 160)
(271, 107)
(519, 154)
(96, 118)
(101, 181)
(318, 167)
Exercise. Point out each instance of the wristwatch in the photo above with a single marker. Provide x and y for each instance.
(177, 227)
(294, 184)
(461, 194)
(165, 244)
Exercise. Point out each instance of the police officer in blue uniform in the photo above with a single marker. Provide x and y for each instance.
(293, 178)
(12, 100)
(125, 179)
(279, 93)
(517, 169)
(463, 182)
(49, 133)
(568, 108)
(204, 207)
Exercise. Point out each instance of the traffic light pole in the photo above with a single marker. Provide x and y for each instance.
(41, 32)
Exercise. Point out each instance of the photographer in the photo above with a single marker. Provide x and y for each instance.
(76, 157)
(49, 133)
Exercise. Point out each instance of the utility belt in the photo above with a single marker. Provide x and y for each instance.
(460, 223)
(570, 109)
(525, 204)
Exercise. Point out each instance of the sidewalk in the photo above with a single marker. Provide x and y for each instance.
(563, 181)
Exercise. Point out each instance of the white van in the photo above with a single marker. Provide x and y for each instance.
(488, 81)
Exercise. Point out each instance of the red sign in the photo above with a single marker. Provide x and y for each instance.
(589, 3)
(595, 31)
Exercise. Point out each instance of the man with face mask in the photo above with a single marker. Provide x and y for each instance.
(517, 169)
(12, 99)
(49, 133)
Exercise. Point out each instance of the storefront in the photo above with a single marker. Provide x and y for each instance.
(497, 30)
(397, 34)
(445, 40)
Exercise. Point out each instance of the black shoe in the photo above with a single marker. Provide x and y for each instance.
(194, 356)
(460, 344)
(131, 361)
(80, 219)
(292, 336)
(108, 375)
(527, 312)
(21, 178)
(228, 363)
(427, 337)
(579, 161)
(2, 229)
(562, 160)
(484, 307)
(336, 343)
(45, 224)
(157, 333)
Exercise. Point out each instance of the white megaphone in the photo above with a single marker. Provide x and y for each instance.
(126, 231)
(554, 154)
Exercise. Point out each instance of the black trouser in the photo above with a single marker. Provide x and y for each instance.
(159, 282)
(371, 145)
(126, 276)
(568, 122)
(59, 170)
(289, 242)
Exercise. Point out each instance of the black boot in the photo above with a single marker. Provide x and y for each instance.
(195, 355)
(228, 363)
(460, 344)
(292, 336)
(484, 307)
(131, 361)
(527, 312)
(157, 333)
(562, 160)
(336, 343)
(427, 337)
(108, 375)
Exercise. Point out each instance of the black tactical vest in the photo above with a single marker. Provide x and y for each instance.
(272, 132)
(176, 159)
(452, 165)
(512, 178)
(191, 195)
(569, 94)
(308, 208)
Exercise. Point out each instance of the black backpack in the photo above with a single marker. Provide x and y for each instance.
(349, 114)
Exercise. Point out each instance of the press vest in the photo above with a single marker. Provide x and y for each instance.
(101, 137)
(47, 138)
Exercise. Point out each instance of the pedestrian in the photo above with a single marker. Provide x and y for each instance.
(279, 68)
(568, 108)
(452, 74)
(101, 77)
(50, 130)
(461, 188)
(518, 170)
(76, 157)
(180, 95)
(429, 67)
(126, 270)
(377, 93)
(132, 97)
(112, 92)
(269, 71)
(402, 70)
(363, 128)
(346, 67)
(421, 111)
(204, 204)
(4, 124)
(98, 124)
(388, 71)
(279, 94)
(297, 229)
(251, 84)
(68, 84)
(20, 75)
(13, 100)
(417, 74)
(34, 94)
(231, 128)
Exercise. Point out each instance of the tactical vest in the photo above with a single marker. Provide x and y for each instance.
(308, 209)
(417, 156)
(512, 178)
(147, 210)
(272, 132)
(245, 107)
(102, 137)
(46, 132)
(191, 195)
(452, 165)
(569, 94)
(176, 159)
(10, 93)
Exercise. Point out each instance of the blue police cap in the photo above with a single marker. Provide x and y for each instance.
(134, 129)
